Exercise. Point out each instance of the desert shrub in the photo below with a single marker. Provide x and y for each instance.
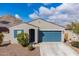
(31, 47)
(1, 38)
(75, 44)
(23, 39)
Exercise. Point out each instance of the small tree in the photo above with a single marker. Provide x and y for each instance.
(71, 26)
(1, 38)
(74, 26)
(23, 39)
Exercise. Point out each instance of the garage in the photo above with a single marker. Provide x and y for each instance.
(49, 36)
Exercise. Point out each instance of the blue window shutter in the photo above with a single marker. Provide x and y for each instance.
(15, 33)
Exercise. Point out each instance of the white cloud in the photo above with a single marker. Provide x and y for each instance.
(66, 13)
(70, 13)
(33, 16)
(43, 11)
(17, 16)
(62, 15)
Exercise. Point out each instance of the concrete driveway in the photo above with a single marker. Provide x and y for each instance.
(56, 49)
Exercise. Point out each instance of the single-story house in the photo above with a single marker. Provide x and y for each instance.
(39, 31)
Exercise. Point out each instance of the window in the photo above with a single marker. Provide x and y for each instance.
(17, 32)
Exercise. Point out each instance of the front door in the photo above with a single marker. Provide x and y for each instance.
(32, 35)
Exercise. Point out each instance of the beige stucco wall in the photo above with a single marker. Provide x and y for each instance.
(46, 25)
(24, 27)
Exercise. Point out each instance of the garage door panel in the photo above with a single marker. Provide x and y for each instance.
(49, 36)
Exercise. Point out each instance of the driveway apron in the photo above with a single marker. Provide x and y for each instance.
(56, 49)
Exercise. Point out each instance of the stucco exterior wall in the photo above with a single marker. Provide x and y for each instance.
(46, 25)
(24, 27)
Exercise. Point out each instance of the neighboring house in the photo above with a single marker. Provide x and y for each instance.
(39, 31)
(7, 21)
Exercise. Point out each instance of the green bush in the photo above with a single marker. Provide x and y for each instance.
(1, 38)
(30, 47)
(75, 44)
(23, 39)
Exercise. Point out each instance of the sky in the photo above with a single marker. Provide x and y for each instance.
(60, 13)
(22, 10)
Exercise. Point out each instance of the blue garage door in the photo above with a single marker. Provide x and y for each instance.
(50, 36)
